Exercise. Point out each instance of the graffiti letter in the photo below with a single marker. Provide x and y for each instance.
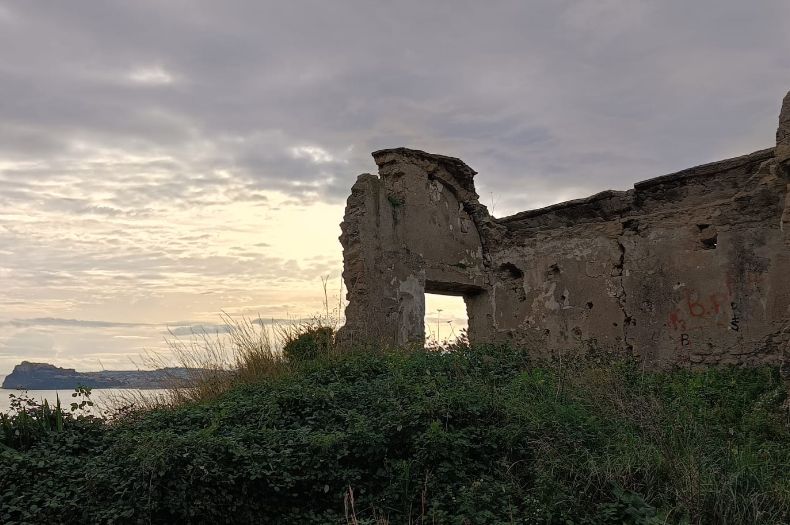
(735, 321)
(695, 307)
(675, 321)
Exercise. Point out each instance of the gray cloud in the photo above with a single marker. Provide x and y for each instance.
(54, 321)
(603, 94)
(200, 329)
(150, 153)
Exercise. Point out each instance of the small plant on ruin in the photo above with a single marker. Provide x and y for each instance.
(396, 201)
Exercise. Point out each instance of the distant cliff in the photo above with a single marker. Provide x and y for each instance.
(44, 376)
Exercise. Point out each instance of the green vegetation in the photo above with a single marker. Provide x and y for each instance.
(32, 420)
(466, 436)
(310, 343)
(396, 201)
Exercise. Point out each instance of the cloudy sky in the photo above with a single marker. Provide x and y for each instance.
(161, 162)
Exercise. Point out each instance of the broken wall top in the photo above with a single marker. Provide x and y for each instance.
(454, 171)
(611, 204)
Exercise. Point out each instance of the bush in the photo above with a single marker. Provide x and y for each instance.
(309, 343)
(477, 435)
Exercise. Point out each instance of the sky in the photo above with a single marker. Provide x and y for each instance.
(163, 162)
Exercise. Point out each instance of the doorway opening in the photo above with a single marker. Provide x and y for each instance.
(445, 319)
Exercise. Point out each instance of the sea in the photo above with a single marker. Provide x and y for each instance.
(104, 399)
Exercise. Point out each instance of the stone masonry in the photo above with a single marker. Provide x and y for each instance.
(687, 268)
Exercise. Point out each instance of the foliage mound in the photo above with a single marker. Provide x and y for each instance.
(471, 436)
(310, 343)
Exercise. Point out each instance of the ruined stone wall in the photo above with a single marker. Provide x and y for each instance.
(412, 229)
(692, 267)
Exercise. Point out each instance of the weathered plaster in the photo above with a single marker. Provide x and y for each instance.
(692, 267)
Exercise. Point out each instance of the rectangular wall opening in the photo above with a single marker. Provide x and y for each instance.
(445, 319)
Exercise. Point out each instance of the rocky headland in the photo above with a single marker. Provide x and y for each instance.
(45, 376)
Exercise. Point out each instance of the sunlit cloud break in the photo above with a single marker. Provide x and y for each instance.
(313, 153)
(151, 76)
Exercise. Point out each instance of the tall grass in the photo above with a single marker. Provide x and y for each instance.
(246, 351)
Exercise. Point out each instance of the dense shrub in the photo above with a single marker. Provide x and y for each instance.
(309, 343)
(472, 436)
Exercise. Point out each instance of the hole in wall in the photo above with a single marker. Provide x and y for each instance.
(708, 236)
(710, 243)
(510, 271)
(445, 319)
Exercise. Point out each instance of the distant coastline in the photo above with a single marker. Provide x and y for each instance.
(44, 376)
